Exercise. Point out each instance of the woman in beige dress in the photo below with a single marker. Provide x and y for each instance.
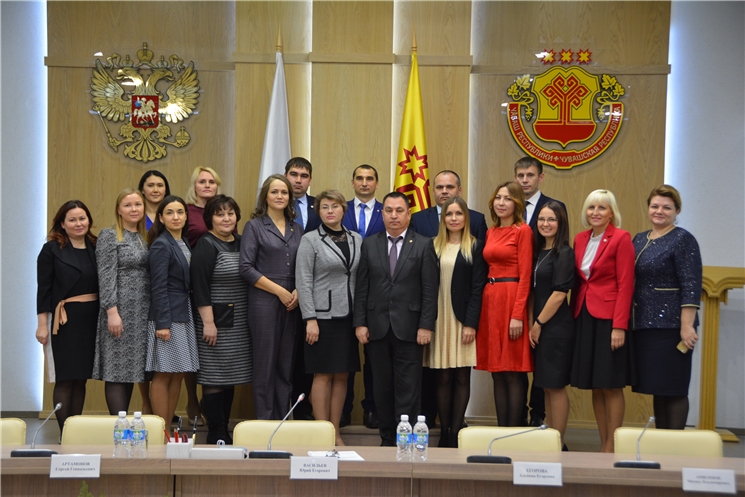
(453, 349)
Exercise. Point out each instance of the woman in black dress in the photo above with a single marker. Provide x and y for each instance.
(667, 293)
(221, 297)
(552, 332)
(326, 271)
(67, 302)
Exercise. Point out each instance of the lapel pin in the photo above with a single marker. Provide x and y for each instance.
(605, 240)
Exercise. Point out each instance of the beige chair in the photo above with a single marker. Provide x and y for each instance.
(256, 433)
(99, 430)
(479, 437)
(700, 443)
(12, 431)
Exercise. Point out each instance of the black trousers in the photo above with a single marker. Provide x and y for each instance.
(397, 377)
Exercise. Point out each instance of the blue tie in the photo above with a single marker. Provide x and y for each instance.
(361, 225)
(298, 213)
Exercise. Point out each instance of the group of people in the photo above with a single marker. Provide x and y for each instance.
(429, 295)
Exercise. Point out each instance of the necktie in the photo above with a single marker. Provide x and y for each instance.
(361, 225)
(393, 254)
(298, 213)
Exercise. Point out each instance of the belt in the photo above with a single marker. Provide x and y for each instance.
(60, 316)
(503, 280)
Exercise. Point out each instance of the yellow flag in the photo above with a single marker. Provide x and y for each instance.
(412, 172)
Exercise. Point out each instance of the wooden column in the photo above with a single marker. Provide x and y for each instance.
(716, 282)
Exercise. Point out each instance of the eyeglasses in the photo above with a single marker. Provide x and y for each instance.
(547, 220)
(327, 207)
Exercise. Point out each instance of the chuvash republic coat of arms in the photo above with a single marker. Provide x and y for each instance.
(143, 106)
(572, 106)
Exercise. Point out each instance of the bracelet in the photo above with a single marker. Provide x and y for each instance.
(539, 322)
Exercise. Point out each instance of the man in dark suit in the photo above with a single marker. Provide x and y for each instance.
(300, 173)
(529, 174)
(395, 308)
(365, 216)
(427, 222)
(446, 185)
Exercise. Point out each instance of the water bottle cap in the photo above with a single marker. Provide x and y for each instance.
(138, 414)
(404, 417)
(122, 414)
(421, 418)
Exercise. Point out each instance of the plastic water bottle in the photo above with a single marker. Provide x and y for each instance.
(139, 437)
(421, 439)
(122, 431)
(403, 439)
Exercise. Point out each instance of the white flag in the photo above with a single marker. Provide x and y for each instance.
(277, 150)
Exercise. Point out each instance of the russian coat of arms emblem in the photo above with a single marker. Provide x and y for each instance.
(575, 115)
(139, 94)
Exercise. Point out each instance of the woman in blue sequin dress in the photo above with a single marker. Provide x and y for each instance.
(666, 299)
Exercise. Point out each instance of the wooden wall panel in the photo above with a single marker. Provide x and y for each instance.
(347, 109)
(351, 124)
(81, 164)
(628, 35)
(257, 25)
(442, 29)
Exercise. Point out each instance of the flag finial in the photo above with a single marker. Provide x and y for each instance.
(413, 41)
(279, 39)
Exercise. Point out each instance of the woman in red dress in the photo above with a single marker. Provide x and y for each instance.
(502, 344)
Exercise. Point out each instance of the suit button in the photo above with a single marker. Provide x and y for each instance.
(288, 263)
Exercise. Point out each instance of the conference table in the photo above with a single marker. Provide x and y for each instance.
(445, 473)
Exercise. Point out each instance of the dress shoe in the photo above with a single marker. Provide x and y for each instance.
(345, 420)
(564, 448)
(303, 417)
(370, 420)
(535, 421)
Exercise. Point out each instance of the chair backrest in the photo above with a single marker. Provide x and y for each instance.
(99, 430)
(320, 434)
(12, 431)
(479, 437)
(700, 443)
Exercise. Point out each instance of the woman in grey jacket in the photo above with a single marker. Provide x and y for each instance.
(325, 274)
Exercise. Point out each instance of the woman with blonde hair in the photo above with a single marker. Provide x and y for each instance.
(205, 184)
(452, 351)
(502, 345)
(601, 305)
(124, 292)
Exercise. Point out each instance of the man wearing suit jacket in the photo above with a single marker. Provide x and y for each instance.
(395, 309)
(427, 223)
(446, 185)
(529, 174)
(300, 173)
(365, 216)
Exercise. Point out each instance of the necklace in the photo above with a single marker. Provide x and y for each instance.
(537, 265)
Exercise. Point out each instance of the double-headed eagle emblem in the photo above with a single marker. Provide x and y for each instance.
(125, 91)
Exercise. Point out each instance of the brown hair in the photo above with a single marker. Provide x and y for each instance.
(59, 234)
(219, 203)
(334, 195)
(669, 192)
(517, 195)
(261, 206)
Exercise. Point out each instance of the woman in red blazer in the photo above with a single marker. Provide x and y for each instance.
(601, 303)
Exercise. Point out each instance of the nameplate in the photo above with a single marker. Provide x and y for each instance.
(537, 473)
(75, 466)
(314, 468)
(720, 481)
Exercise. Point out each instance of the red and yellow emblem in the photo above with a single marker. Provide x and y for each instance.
(578, 114)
